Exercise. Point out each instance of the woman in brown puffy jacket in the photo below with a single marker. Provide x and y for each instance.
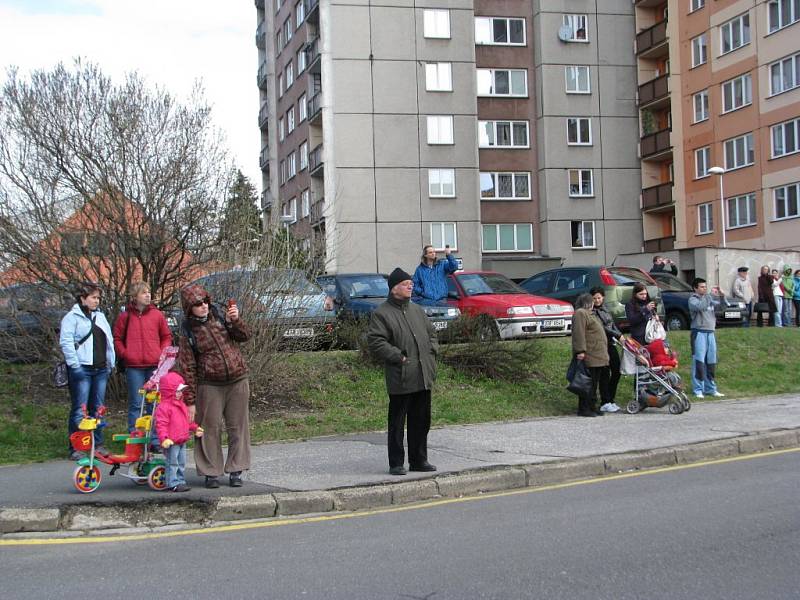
(589, 344)
(218, 385)
(765, 296)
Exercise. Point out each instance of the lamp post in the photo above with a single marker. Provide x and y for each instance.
(285, 220)
(720, 171)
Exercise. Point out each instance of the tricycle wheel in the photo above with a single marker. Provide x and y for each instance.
(157, 479)
(633, 407)
(86, 479)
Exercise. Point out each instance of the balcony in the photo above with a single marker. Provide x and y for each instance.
(260, 35)
(654, 93)
(266, 200)
(315, 162)
(652, 42)
(261, 78)
(315, 108)
(656, 146)
(313, 63)
(660, 244)
(312, 10)
(317, 218)
(657, 196)
(263, 159)
(263, 115)
(647, 3)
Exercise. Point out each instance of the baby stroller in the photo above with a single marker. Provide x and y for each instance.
(654, 385)
(143, 466)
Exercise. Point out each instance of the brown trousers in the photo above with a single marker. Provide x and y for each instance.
(216, 403)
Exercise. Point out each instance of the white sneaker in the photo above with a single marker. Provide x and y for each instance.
(611, 407)
(719, 395)
(699, 395)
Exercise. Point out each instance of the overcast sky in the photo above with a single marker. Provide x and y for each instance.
(170, 42)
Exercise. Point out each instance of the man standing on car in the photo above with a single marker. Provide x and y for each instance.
(663, 265)
(430, 277)
(742, 291)
(704, 344)
(403, 339)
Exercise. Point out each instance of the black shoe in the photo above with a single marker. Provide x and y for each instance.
(397, 471)
(236, 479)
(425, 467)
(586, 413)
(598, 413)
(212, 483)
(181, 487)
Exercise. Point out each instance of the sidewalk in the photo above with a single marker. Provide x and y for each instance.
(350, 472)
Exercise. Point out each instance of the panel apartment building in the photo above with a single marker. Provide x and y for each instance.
(719, 95)
(493, 126)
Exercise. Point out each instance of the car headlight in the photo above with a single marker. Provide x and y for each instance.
(742, 305)
(520, 310)
(453, 312)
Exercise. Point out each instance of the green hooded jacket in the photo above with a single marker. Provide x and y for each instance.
(788, 282)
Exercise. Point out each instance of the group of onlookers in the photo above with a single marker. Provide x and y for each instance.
(778, 295)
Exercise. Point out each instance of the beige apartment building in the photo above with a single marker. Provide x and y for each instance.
(502, 129)
(719, 101)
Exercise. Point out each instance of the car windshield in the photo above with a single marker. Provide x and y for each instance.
(370, 286)
(628, 276)
(477, 284)
(270, 281)
(668, 283)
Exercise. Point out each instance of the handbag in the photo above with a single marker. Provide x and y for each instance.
(761, 307)
(627, 365)
(580, 381)
(654, 331)
(60, 375)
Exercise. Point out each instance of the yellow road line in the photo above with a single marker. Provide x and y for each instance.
(378, 511)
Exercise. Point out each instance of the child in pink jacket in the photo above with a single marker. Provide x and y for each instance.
(174, 429)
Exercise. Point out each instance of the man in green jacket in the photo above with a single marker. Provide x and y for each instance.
(401, 336)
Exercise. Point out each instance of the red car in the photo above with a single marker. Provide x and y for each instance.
(517, 313)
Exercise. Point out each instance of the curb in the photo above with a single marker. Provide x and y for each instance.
(76, 520)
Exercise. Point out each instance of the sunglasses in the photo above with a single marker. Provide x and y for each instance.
(200, 303)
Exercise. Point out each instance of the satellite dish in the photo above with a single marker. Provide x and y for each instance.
(565, 33)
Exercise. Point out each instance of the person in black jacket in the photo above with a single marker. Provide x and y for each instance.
(609, 378)
(639, 311)
(663, 265)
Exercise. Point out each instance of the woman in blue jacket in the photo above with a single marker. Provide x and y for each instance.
(88, 347)
(430, 277)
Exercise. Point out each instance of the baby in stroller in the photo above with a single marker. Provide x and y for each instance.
(656, 381)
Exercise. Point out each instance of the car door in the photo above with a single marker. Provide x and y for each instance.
(568, 284)
(539, 285)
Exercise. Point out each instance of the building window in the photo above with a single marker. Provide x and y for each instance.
(699, 50)
(280, 85)
(734, 34)
(705, 218)
(700, 101)
(737, 93)
(439, 77)
(292, 210)
(443, 234)
(577, 27)
(441, 183)
(503, 82)
(505, 186)
(301, 61)
(503, 134)
(279, 43)
(436, 23)
(305, 202)
(784, 75)
(440, 129)
(696, 5)
(300, 12)
(702, 162)
(291, 164)
(579, 131)
(786, 204)
(281, 130)
(741, 211)
(739, 152)
(304, 156)
(287, 29)
(302, 108)
(290, 120)
(582, 234)
(577, 80)
(283, 172)
(289, 75)
(785, 138)
(499, 31)
(581, 184)
(783, 13)
(511, 237)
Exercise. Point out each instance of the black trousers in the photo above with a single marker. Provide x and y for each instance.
(418, 408)
(609, 378)
(587, 402)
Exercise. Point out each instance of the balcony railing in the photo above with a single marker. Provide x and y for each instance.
(312, 7)
(263, 158)
(656, 143)
(317, 210)
(313, 55)
(263, 115)
(314, 106)
(261, 78)
(266, 200)
(315, 162)
(260, 34)
(651, 38)
(660, 244)
(260, 4)
(657, 196)
(654, 90)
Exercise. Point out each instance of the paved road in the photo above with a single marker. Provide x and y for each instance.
(727, 530)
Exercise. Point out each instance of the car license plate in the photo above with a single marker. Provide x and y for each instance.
(437, 325)
(299, 332)
(553, 323)
(733, 314)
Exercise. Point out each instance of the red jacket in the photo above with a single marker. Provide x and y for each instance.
(139, 337)
(172, 415)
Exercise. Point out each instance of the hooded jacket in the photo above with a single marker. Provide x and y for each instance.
(172, 415)
(701, 309)
(430, 282)
(788, 282)
(139, 337)
(215, 358)
(74, 326)
(796, 287)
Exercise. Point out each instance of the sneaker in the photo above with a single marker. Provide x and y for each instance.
(212, 483)
(397, 471)
(77, 455)
(610, 407)
(181, 487)
(236, 479)
(719, 395)
(699, 395)
(102, 450)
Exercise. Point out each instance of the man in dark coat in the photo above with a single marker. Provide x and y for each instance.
(401, 336)
(663, 265)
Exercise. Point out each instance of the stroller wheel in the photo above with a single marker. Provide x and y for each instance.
(675, 406)
(687, 406)
(633, 407)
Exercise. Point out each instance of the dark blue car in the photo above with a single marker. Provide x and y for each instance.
(675, 294)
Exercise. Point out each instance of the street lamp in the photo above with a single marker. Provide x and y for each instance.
(720, 171)
(285, 221)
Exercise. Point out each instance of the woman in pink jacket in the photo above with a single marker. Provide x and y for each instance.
(174, 429)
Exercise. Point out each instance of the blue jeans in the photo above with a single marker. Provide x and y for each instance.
(786, 315)
(175, 457)
(135, 379)
(778, 311)
(87, 387)
(704, 362)
(748, 314)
